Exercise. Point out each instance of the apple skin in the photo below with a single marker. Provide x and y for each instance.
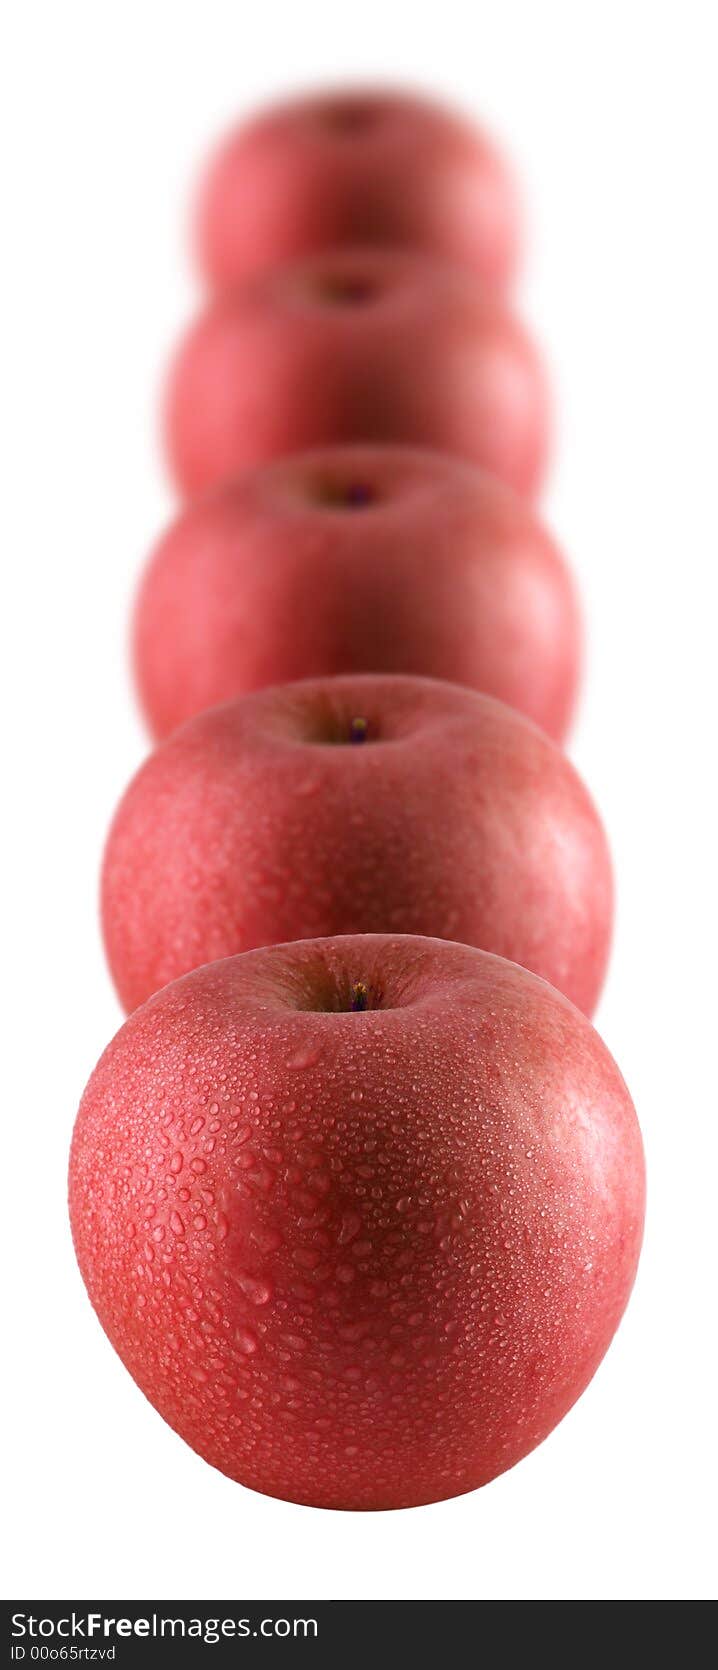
(358, 1260)
(356, 345)
(353, 166)
(414, 563)
(260, 821)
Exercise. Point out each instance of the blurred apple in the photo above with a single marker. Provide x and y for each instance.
(356, 345)
(351, 166)
(357, 559)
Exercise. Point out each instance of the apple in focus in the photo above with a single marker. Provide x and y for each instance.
(365, 804)
(360, 1216)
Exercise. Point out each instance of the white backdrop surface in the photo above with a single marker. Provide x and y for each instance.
(610, 116)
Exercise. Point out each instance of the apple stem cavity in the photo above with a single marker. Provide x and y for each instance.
(348, 116)
(357, 494)
(354, 494)
(358, 730)
(359, 997)
(347, 290)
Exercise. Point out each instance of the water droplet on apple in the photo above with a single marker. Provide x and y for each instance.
(307, 1055)
(246, 1341)
(307, 1257)
(295, 1342)
(261, 1178)
(308, 785)
(255, 1288)
(349, 1228)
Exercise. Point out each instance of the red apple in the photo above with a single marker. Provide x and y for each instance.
(357, 559)
(356, 345)
(360, 165)
(357, 805)
(359, 1215)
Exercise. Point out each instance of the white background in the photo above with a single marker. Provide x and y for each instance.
(610, 115)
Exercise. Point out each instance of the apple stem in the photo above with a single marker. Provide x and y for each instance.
(359, 997)
(358, 730)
